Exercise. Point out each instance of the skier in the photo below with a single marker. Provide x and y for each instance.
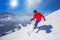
(38, 16)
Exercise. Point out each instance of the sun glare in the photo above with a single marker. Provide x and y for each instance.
(13, 3)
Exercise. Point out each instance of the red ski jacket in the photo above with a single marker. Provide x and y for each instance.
(38, 16)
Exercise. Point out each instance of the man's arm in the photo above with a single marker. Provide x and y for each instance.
(33, 17)
(43, 17)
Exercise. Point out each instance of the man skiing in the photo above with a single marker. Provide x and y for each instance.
(38, 16)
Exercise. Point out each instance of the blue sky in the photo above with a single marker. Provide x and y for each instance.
(43, 6)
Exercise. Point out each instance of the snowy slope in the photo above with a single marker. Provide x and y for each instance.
(52, 19)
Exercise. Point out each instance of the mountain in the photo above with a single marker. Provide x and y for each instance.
(46, 30)
(9, 22)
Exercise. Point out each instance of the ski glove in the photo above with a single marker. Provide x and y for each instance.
(31, 19)
(44, 19)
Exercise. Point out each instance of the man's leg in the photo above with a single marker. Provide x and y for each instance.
(36, 23)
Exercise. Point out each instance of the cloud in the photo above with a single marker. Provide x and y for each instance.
(32, 4)
(7, 19)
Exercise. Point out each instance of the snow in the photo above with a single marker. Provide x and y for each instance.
(51, 19)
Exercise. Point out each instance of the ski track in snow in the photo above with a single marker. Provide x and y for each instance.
(51, 19)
